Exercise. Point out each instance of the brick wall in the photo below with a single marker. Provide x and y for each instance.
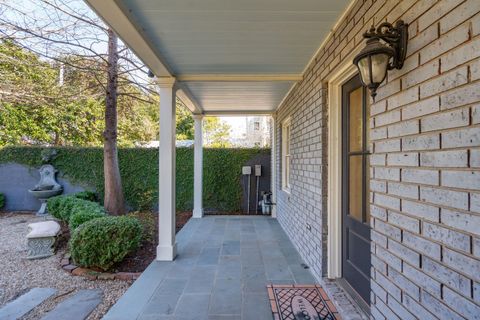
(425, 166)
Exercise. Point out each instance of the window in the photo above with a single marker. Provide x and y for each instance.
(286, 160)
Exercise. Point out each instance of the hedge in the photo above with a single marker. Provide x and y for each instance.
(2, 200)
(222, 188)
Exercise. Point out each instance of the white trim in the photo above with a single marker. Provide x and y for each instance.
(198, 168)
(238, 77)
(273, 155)
(239, 113)
(187, 98)
(334, 201)
(286, 141)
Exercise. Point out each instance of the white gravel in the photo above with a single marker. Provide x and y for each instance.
(18, 274)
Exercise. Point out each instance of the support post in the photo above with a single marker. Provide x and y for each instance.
(166, 250)
(198, 168)
(273, 154)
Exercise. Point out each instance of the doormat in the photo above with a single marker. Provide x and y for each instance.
(301, 302)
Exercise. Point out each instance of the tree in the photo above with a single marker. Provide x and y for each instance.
(216, 133)
(61, 29)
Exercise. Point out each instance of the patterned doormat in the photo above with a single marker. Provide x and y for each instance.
(301, 302)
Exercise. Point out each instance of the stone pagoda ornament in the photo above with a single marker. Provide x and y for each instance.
(46, 188)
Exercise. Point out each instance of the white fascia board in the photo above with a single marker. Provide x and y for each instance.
(187, 98)
(238, 77)
(113, 16)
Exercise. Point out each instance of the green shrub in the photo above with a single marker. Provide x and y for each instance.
(2, 200)
(86, 195)
(60, 206)
(103, 242)
(80, 217)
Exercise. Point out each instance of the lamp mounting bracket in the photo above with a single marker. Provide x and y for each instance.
(395, 36)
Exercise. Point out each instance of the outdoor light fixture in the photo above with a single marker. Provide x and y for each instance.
(377, 58)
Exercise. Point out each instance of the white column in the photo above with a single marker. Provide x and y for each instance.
(273, 154)
(166, 250)
(198, 168)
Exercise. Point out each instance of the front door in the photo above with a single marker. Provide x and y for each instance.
(355, 188)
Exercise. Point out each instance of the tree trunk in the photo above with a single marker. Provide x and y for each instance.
(114, 201)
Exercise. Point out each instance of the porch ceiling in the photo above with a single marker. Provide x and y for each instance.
(230, 55)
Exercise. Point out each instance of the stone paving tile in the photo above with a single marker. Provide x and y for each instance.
(226, 297)
(231, 248)
(171, 286)
(209, 256)
(193, 306)
(162, 304)
(229, 267)
(77, 307)
(26, 302)
(256, 306)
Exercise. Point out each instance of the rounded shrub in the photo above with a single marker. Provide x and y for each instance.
(86, 195)
(80, 217)
(2, 200)
(60, 206)
(103, 242)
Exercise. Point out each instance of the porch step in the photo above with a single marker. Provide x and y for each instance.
(26, 302)
(77, 307)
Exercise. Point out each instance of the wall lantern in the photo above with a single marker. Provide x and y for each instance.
(377, 58)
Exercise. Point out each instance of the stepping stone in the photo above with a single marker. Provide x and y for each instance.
(77, 307)
(26, 302)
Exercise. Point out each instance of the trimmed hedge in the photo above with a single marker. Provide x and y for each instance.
(103, 242)
(2, 200)
(222, 188)
(79, 218)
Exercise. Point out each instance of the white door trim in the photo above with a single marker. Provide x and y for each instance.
(334, 202)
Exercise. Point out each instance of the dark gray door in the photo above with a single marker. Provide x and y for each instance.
(355, 188)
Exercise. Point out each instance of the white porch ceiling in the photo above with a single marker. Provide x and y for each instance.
(262, 45)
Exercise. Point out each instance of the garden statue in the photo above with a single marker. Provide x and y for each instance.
(46, 188)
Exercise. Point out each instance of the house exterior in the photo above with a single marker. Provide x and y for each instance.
(380, 195)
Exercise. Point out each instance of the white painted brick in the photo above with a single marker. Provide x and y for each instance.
(388, 230)
(376, 314)
(475, 202)
(403, 190)
(388, 285)
(400, 310)
(378, 186)
(476, 112)
(475, 158)
(404, 283)
(404, 253)
(465, 264)
(388, 258)
(436, 12)
(421, 176)
(460, 55)
(402, 98)
(390, 145)
(378, 212)
(421, 74)
(461, 96)
(388, 89)
(444, 197)
(421, 279)
(387, 201)
(421, 108)
(378, 238)
(476, 25)
(410, 159)
(421, 142)
(378, 159)
(446, 276)
(444, 82)
(461, 221)
(446, 236)
(378, 133)
(387, 118)
(475, 70)
(457, 158)
(422, 245)
(476, 292)
(378, 107)
(417, 309)
(459, 14)
(450, 40)
(476, 247)
(386, 173)
(379, 291)
(446, 120)
(422, 39)
(421, 210)
(468, 137)
(385, 310)
(436, 307)
(403, 128)
(462, 305)
(403, 221)
(461, 179)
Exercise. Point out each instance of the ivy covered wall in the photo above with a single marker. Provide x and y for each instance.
(222, 189)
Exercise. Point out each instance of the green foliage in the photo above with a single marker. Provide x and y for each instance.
(222, 188)
(80, 217)
(103, 242)
(87, 195)
(2, 200)
(60, 207)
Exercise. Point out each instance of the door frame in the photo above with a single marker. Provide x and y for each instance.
(334, 199)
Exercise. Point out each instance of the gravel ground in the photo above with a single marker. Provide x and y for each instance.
(18, 274)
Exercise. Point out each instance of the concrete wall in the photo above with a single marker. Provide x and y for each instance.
(16, 179)
(425, 198)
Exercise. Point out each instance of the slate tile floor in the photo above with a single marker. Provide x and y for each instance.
(221, 272)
